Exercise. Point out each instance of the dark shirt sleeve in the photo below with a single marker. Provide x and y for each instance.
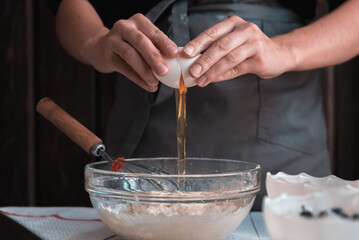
(112, 10)
(304, 8)
(53, 5)
(333, 4)
(307, 8)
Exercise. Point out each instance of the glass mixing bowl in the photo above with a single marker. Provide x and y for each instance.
(209, 202)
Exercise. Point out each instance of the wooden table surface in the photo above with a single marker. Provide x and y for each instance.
(78, 223)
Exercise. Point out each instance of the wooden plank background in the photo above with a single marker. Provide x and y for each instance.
(40, 166)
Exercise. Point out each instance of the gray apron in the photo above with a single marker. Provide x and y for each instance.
(277, 123)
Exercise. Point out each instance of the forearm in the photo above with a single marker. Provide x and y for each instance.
(331, 40)
(76, 23)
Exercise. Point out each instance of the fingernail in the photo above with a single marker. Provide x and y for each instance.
(161, 68)
(172, 49)
(196, 70)
(153, 82)
(200, 81)
(153, 89)
(189, 50)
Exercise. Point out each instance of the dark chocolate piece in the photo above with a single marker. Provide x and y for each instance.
(339, 211)
(323, 214)
(306, 213)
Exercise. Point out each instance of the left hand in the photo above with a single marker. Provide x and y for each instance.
(235, 47)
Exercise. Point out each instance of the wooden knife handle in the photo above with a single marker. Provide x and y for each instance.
(67, 124)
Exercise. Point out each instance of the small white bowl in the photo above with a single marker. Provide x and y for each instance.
(283, 220)
(303, 184)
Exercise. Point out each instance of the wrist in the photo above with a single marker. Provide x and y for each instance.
(90, 47)
(290, 53)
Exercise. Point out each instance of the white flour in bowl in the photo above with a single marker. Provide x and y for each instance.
(157, 221)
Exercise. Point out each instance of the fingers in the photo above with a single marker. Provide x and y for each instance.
(133, 59)
(210, 35)
(229, 47)
(138, 46)
(241, 69)
(224, 46)
(224, 68)
(122, 67)
(127, 40)
(230, 34)
(151, 55)
(164, 44)
(151, 43)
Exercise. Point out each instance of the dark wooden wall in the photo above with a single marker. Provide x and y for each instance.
(39, 165)
(346, 106)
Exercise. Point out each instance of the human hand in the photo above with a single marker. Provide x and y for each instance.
(132, 47)
(235, 47)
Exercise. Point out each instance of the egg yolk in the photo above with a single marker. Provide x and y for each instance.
(182, 88)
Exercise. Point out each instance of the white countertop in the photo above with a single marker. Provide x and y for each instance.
(75, 223)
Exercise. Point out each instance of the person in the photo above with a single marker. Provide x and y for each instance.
(257, 97)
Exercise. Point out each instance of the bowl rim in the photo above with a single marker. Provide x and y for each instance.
(255, 168)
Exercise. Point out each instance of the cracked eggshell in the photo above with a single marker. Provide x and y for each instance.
(177, 66)
(185, 63)
(171, 79)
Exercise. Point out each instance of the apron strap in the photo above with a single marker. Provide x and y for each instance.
(154, 13)
(164, 92)
(180, 29)
(179, 34)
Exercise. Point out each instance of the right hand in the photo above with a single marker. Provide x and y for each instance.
(133, 47)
